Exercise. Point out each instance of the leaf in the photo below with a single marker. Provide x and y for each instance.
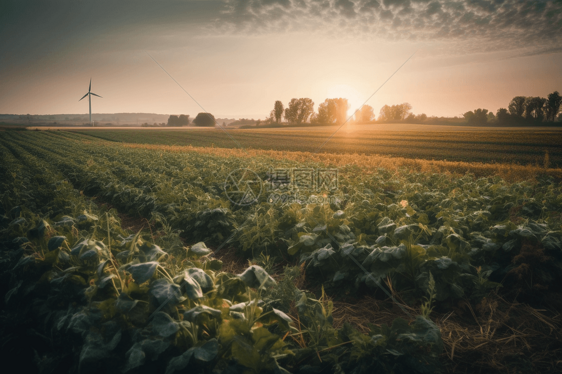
(320, 228)
(386, 225)
(202, 278)
(551, 243)
(255, 277)
(125, 303)
(163, 325)
(39, 230)
(191, 287)
(19, 241)
(86, 217)
(523, 233)
(383, 240)
(319, 256)
(205, 353)
(165, 293)
(142, 272)
(308, 239)
(106, 280)
(276, 316)
(214, 264)
(52, 257)
(292, 250)
(122, 256)
(13, 291)
(339, 275)
(324, 253)
(199, 249)
(403, 232)
(65, 221)
(423, 219)
(55, 242)
(444, 262)
(15, 212)
(148, 348)
(89, 255)
(192, 314)
(244, 352)
(511, 245)
(75, 251)
(152, 252)
(394, 352)
(101, 266)
(18, 221)
(93, 351)
(340, 214)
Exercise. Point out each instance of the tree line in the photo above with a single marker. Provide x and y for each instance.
(334, 112)
(521, 110)
(202, 119)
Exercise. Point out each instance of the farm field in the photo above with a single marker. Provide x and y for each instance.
(411, 141)
(404, 265)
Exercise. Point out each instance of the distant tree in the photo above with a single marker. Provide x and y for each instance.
(173, 121)
(395, 113)
(204, 120)
(258, 122)
(421, 117)
(386, 114)
(183, 120)
(503, 116)
(534, 108)
(299, 110)
(491, 117)
(402, 111)
(342, 106)
(366, 114)
(288, 114)
(327, 112)
(517, 106)
(478, 117)
(278, 111)
(411, 118)
(481, 116)
(553, 106)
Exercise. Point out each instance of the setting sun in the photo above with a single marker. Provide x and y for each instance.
(354, 97)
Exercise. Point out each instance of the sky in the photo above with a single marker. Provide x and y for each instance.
(235, 58)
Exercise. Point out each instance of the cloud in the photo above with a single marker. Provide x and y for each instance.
(481, 24)
(33, 29)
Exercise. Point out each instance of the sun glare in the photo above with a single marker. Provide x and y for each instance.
(354, 97)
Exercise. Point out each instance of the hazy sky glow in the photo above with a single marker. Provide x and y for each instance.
(236, 57)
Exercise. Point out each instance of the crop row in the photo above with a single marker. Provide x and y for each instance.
(86, 296)
(468, 235)
(474, 146)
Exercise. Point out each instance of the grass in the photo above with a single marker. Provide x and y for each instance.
(485, 146)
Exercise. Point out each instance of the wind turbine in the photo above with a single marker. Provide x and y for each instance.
(89, 94)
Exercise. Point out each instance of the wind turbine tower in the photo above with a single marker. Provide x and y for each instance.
(89, 94)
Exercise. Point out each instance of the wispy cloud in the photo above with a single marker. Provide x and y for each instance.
(482, 24)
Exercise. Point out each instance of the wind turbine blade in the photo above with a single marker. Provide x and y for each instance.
(84, 96)
(89, 89)
(95, 94)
